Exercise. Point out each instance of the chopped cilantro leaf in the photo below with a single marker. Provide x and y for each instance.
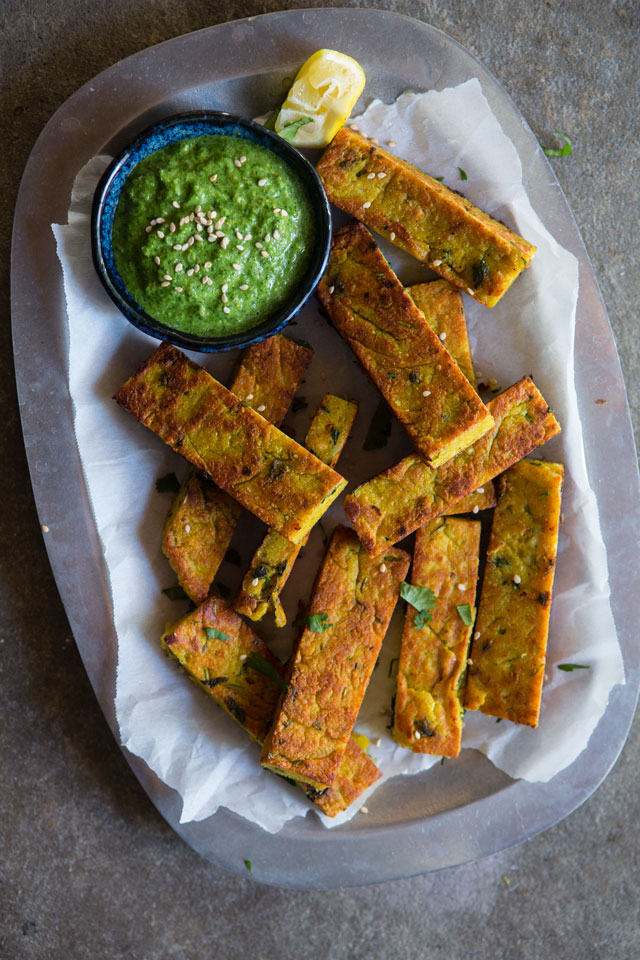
(422, 598)
(260, 665)
(249, 865)
(175, 593)
(568, 667)
(463, 175)
(317, 622)
(289, 130)
(465, 614)
(167, 484)
(214, 634)
(563, 151)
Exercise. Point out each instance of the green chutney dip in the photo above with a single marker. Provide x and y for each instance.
(212, 234)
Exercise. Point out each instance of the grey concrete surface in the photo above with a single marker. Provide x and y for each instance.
(87, 867)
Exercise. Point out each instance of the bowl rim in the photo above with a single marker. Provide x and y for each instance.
(275, 321)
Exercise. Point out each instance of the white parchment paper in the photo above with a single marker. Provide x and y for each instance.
(188, 742)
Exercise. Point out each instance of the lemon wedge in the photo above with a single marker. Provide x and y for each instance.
(324, 91)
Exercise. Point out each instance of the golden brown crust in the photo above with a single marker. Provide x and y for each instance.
(330, 670)
(438, 226)
(356, 773)
(441, 305)
(428, 704)
(274, 559)
(407, 495)
(397, 348)
(484, 498)
(262, 468)
(197, 532)
(269, 375)
(506, 667)
(219, 666)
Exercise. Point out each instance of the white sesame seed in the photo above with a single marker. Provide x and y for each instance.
(197, 268)
(258, 245)
(178, 289)
(517, 578)
(197, 237)
(213, 177)
(167, 276)
(199, 227)
(476, 509)
(211, 214)
(477, 635)
(236, 266)
(220, 233)
(175, 204)
(284, 213)
(443, 336)
(208, 265)
(264, 253)
(331, 289)
(44, 528)
(377, 742)
(462, 586)
(262, 182)
(469, 290)
(247, 237)
(237, 163)
(255, 582)
(383, 568)
(417, 735)
(426, 393)
(220, 222)
(267, 238)
(165, 283)
(352, 126)
(211, 238)
(226, 310)
(148, 229)
(161, 234)
(187, 528)
(249, 396)
(381, 175)
(177, 246)
(276, 234)
(224, 298)
(261, 408)
(190, 272)
(243, 656)
(366, 204)
(364, 810)
(244, 286)
(371, 176)
(156, 260)
(190, 243)
(172, 228)
(469, 660)
(224, 243)
(277, 210)
(392, 235)
(238, 234)
(391, 143)
(204, 280)
(224, 287)
(243, 159)
(178, 267)
(480, 490)
(239, 247)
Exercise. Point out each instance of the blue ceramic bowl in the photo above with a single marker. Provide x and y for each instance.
(182, 127)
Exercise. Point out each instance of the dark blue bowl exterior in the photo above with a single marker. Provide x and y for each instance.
(182, 127)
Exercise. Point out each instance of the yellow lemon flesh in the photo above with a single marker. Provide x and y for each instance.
(325, 89)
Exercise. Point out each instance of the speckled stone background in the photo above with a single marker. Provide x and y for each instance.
(87, 867)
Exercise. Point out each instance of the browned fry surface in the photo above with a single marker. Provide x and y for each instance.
(269, 375)
(508, 653)
(330, 670)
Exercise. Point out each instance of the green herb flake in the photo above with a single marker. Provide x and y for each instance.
(289, 130)
(569, 667)
(379, 429)
(563, 151)
(463, 175)
(422, 598)
(392, 559)
(380, 276)
(317, 622)
(439, 179)
(214, 634)
(175, 593)
(167, 484)
(464, 609)
(260, 665)
(249, 865)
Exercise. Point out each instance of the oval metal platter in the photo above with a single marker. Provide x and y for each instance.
(470, 809)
